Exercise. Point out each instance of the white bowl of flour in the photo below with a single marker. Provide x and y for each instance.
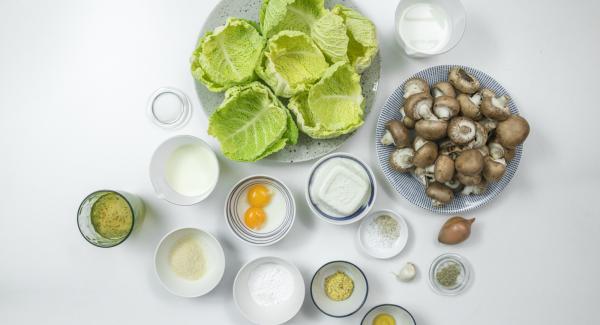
(269, 291)
(189, 262)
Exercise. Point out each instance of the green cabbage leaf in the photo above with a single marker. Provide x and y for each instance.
(333, 106)
(291, 63)
(362, 45)
(228, 55)
(252, 123)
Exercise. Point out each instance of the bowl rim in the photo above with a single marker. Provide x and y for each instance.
(197, 199)
(221, 253)
(391, 305)
(392, 252)
(343, 262)
(268, 258)
(288, 193)
(346, 220)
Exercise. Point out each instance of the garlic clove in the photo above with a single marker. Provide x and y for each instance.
(407, 273)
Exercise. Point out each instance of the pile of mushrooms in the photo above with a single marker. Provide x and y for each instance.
(463, 136)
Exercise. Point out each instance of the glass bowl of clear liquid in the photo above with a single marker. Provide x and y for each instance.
(426, 28)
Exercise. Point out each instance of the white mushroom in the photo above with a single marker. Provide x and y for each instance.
(431, 129)
(419, 106)
(461, 130)
(497, 151)
(493, 169)
(415, 86)
(446, 107)
(407, 121)
(481, 137)
(426, 155)
(469, 163)
(439, 193)
(475, 189)
(512, 132)
(470, 106)
(443, 88)
(395, 134)
(402, 159)
(425, 175)
(463, 81)
(495, 107)
(444, 169)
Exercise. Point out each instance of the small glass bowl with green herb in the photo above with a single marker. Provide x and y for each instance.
(449, 274)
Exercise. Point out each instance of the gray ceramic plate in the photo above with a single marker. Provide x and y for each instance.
(307, 148)
(407, 185)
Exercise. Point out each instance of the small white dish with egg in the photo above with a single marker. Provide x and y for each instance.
(341, 188)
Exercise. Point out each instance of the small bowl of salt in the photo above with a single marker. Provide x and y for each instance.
(383, 234)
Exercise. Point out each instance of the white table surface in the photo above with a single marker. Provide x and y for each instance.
(74, 80)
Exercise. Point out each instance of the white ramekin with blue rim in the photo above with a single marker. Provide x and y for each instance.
(361, 212)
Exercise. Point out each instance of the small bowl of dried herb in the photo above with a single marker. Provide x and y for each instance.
(449, 274)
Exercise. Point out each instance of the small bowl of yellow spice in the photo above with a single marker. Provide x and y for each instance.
(189, 262)
(339, 289)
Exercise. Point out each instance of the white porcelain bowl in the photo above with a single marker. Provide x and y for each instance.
(346, 307)
(341, 219)
(380, 252)
(213, 255)
(276, 227)
(267, 315)
(401, 315)
(157, 170)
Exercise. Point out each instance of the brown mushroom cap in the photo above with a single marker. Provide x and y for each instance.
(431, 129)
(399, 133)
(444, 169)
(469, 180)
(463, 81)
(469, 106)
(461, 130)
(509, 154)
(469, 162)
(408, 122)
(495, 108)
(493, 169)
(426, 155)
(481, 137)
(443, 88)
(446, 107)
(419, 106)
(402, 159)
(415, 86)
(439, 193)
(512, 132)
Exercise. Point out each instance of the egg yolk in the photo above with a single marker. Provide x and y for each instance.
(259, 196)
(255, 218)
(384, 319)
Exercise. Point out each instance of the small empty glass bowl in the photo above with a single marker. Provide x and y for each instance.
(462, 281)
(425, 28)
(169, 108)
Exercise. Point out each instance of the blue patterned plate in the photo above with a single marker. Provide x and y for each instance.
(406, 184)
